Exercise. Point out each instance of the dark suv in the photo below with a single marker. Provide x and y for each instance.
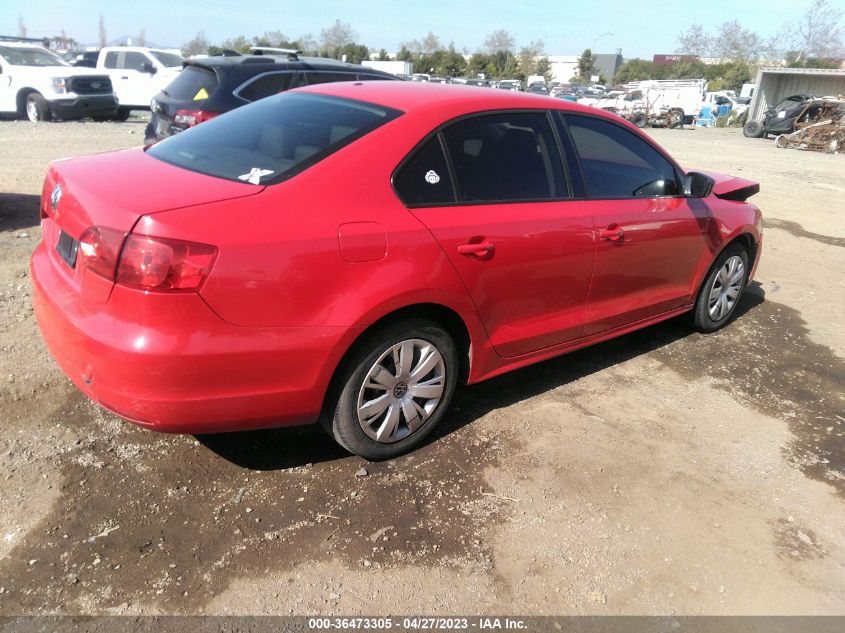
(213, 85)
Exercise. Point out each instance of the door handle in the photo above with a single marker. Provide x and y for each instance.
(481, 248)
(614, 235)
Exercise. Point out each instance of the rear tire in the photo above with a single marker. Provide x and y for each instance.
(394, 389)
(122, 114)
(36, 108)
(640, 121)
(722, 289)
(752, 129)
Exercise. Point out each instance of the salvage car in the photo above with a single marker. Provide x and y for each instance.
(780, 118)
(351, 252)
(210, 86)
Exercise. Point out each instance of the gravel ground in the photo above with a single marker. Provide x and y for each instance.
(664, 472)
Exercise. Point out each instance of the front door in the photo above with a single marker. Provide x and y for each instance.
(650, 241)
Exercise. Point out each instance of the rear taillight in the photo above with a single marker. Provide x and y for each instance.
(158, 263)
(193, 117)
(99, 247)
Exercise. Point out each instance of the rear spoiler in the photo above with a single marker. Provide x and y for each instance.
(733, 187)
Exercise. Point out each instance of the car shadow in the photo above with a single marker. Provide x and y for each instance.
(290, 447)
(19, 211)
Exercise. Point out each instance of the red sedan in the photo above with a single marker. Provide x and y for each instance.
(351, 252)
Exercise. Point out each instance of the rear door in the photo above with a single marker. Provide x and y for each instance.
(649, 238)
(492, 189)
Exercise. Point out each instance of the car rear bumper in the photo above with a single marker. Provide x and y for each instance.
(79, 107)
(189, 373)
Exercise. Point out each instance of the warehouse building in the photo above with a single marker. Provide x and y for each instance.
(776, 82)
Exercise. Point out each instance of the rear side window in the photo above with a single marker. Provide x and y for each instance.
(272, 139)
(194, 83)
(618, 164)
(505, 157)
(328, 77)
(168, 60)
(424, 179)
(269, 84)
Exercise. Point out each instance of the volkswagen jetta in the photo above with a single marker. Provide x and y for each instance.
(351, 252)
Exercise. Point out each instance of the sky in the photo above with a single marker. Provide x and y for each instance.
(640, 29)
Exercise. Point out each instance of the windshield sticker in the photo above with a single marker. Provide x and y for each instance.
(431, 177)
(201, 95)
(255, 175)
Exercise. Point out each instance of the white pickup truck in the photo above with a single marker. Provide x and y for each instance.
(670, 102)
(37, 84)
(138, 74)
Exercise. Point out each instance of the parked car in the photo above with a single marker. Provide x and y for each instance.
(211, 86)
(350, 252)
(138, 74)
(38, 85)
(510, 84)
(537, 89)
(780, 118)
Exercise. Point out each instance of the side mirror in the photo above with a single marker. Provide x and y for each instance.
(149, 68)
(697, 185)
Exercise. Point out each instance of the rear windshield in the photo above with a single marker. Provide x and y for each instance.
(168, 60)
(272, 139)
(192, 84)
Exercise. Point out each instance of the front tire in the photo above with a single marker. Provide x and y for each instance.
(676, 119)
(722, 289)
(394, 390)
(36, 108)
(752, 129)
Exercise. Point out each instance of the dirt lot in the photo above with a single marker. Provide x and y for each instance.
(662, 473)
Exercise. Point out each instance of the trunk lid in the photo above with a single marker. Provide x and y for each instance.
(114, 190)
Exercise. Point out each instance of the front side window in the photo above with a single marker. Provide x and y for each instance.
(424, 179)
(272, 139)
(505, 157)
(618, 164)
(111, 60)
(135, 61)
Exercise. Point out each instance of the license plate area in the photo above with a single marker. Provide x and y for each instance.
(67, 248)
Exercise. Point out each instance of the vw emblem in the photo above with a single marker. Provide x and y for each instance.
(56, 196)
(400, 390)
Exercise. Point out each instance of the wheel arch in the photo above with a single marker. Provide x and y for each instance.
(443, 315)
(746, 239)
(20, 99)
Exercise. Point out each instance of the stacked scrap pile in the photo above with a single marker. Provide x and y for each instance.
(821, 130)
